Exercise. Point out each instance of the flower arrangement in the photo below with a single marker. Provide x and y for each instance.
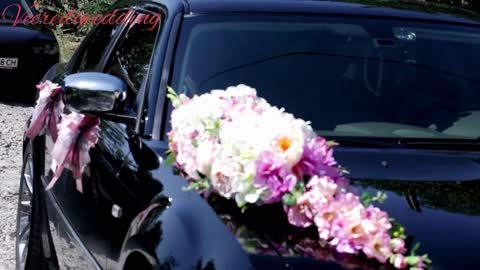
(236, 144)
(77, 134)
(47, 111)
(74, 134)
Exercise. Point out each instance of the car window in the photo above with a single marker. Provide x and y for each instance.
(130, 60)
(349, 76)
(96, 46)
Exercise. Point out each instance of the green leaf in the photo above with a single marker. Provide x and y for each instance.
(199, 185)
(415, 248)
(397, 230)
(426, 259)
(202, 176)
(171, 91)
(380, 197)
(366, 199)
(171, 158)
(288, 199)
(332, 143)
(299, 187)
(213, 127)
(412, 260)
(195, 142)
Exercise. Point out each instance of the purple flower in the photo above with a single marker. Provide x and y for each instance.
(271, 173)
(317, 159)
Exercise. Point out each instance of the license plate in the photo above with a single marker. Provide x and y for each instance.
(8, 63)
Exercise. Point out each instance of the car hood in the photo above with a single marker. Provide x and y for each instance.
(434, 194)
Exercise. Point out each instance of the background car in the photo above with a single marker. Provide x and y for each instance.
(396, 86)
(27, 51)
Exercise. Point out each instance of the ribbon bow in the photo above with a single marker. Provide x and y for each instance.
(77, 134)
(46, 113)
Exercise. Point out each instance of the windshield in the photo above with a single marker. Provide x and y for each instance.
(355, 77)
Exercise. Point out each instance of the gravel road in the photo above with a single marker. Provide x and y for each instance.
(12, 124)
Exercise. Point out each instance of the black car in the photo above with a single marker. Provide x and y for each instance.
(27, 50)
(396, 83)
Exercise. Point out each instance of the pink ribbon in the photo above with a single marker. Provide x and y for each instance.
(46, 113)
(77, 134)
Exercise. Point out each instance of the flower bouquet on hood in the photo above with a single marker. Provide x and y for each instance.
(236, 144)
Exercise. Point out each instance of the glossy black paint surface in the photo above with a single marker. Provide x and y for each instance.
(432, 192)
(21, 41)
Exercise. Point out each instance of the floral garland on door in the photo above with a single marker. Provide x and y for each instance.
(241, 147)
(47, 111)
(74, 134)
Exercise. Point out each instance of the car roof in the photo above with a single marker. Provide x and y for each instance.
(402, 9)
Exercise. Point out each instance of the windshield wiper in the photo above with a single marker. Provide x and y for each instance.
(371, 142)
(442, 143)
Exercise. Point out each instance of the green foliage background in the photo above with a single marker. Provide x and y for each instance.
(70, 36)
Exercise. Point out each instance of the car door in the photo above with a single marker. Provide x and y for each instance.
(117, 191)
(65, 205)
(83, 222)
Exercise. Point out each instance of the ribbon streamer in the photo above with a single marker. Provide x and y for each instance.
(46, 113)
(77, 134)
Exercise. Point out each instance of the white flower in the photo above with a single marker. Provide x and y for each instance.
(223, 173)
(286, 134)
(206, 154)
(241, 90)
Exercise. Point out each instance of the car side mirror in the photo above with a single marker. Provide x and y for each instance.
(93, 92)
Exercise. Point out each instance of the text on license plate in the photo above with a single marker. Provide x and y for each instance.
(8, 62)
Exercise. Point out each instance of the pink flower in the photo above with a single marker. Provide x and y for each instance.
(324, 186)
(314, 204)
(300, 215)
(379, 218)
(399, 261)
(398, 245)
(186, 157)
(346, 246)
(347, 202)
(352, 226)
(378, 247)
(324, 218)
